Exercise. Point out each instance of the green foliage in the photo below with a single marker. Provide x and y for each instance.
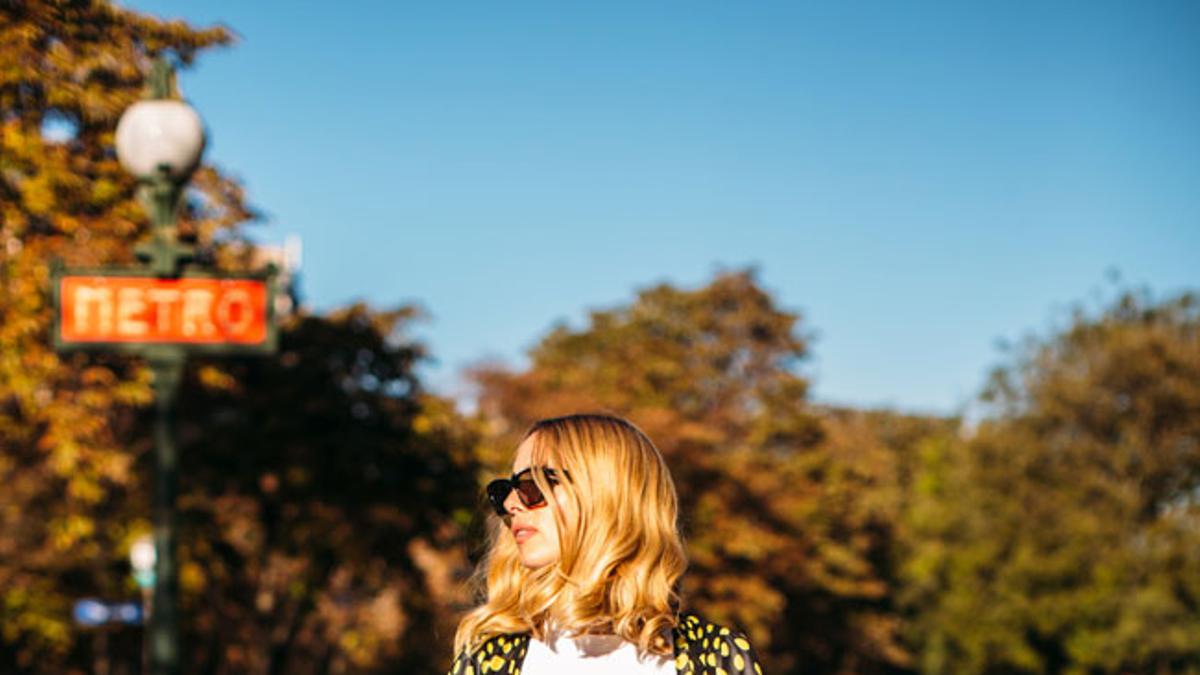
(1064, 537)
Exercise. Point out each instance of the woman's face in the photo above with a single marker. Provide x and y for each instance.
(535, 529)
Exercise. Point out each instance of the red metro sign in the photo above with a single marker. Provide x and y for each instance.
(216, 312)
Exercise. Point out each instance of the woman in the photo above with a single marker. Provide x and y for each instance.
(584, 562)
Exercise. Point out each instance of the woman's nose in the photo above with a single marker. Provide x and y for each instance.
(512, 503)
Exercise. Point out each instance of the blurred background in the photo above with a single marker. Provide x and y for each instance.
(906, 294)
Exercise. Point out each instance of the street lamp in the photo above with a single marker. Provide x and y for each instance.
(164, 313)
(159, 140)
(160, 133)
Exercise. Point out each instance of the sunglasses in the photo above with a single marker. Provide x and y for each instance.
(527, 490)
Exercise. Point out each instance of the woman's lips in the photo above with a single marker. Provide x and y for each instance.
(523, 532)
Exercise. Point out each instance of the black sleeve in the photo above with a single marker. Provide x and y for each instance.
(464, 665)
(736, 655)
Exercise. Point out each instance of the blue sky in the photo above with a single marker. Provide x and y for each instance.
(918, 180)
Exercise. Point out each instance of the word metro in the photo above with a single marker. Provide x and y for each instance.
(108, 309)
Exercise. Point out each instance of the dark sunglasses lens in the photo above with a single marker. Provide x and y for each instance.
(527, 490)
(497, 492)
(529, 493)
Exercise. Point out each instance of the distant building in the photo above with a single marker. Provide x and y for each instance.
(287, 259)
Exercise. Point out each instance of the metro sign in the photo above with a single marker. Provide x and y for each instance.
(129, 309)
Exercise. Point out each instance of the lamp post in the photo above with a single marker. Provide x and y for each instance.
(160, 140)
(163, 310)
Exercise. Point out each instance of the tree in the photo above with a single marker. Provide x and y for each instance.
(783, 534)
(1064, 537)
(317, 531)
(322, 519)
(67, 70)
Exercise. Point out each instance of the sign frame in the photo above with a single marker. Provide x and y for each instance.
(269, 345)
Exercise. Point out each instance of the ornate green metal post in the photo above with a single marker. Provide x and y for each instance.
(161, 142)
(164, 255)
(163, 633)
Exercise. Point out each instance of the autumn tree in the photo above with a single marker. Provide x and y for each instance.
(67, 71)
(321, 505)
(318, 486)
(1064, 536)
(785, 534)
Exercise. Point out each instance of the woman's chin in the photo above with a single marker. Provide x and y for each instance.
(533, 559)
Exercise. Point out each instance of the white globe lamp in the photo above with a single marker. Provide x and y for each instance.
(160, 135)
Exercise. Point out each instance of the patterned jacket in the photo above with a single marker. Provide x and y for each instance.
(701, 648)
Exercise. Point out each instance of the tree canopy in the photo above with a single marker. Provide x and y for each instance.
(319, 486)
(1062, 536)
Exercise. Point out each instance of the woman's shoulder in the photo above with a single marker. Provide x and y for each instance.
(701, 645)
(494, 655)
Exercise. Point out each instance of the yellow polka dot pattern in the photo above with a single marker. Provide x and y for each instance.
(712, 650)
(701, 648)
(502, 655)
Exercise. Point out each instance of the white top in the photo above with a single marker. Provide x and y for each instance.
(591, 655)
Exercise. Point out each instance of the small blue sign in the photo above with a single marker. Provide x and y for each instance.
(126, 612)
(91, 612)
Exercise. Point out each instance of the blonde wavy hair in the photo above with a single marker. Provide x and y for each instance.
(621, 558)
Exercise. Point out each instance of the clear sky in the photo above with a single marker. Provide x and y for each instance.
(918, 180)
